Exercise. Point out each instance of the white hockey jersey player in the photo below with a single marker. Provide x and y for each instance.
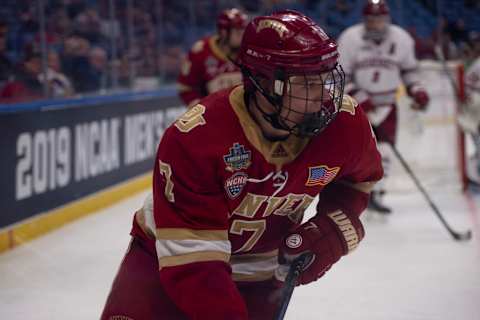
(377, 58)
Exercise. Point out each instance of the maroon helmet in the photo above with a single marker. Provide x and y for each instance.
(288, 45)
(376, 8)
(231, 18)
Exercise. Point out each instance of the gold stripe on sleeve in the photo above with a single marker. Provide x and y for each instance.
(365, 187)
(183, 88)
(193, 257)
(140, 218)
(257, 276)
(191, 234)
(254, 257)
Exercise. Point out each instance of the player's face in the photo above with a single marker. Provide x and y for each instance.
(376, 23)
(304, 94)
(236, 35)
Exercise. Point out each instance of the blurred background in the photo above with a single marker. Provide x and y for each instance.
(68, 48)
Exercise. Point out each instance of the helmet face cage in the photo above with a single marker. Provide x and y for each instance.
(376, 34)
(305, 103)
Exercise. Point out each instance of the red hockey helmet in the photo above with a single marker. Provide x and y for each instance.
(231, 18)
(288, 45)
(376, 8)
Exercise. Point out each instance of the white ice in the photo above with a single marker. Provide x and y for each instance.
(407, 268)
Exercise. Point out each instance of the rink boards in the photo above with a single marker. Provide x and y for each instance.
(64, 159)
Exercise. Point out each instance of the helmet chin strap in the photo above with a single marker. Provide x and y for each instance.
(275, 100)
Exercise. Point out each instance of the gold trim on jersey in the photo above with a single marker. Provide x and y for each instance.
(140, 218)
(258, 276)
(183, 88)
(365, 187)
(200, 256)
(253, 257)
(255, 266)
(212, 43)
(190, 234)
(277, 153)
(348, 104)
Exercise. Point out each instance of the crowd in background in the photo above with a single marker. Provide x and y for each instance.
(96, 46)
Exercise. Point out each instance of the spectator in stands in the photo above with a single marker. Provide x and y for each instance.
(88, 25)
(473, 47)
(98, 72)
(443, 40)
(88, 68)
(76, 63)
(170, 63)
(58, 83)
(6, 65)
(458, 32)
(25, 85)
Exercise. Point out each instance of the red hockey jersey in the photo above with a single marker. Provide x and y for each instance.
(205, 70)
(224, 196)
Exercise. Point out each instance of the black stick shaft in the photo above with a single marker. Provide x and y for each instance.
(454, 234)
(294, 272)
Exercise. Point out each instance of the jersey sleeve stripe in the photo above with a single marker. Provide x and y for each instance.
(183, 88)
(258, 276)
(253, 257)
(191, 234)
(365, 187)
(254, 267)
(167, 248)
(201, 256)
(251, 268)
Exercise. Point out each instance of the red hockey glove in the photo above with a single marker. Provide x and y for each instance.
(420, 97)
(328, 237)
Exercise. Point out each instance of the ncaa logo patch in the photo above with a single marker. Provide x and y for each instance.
(294, 241)
(234, 185)
(238, 158)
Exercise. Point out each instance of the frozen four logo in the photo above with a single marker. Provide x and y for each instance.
(238, 158)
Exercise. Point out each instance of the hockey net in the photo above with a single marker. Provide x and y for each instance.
(432, 142)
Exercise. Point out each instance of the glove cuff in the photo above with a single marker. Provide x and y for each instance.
(414, 88)
(349, 230)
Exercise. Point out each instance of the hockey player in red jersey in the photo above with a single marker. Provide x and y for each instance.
(207, 67)
(234, 176)
(378, 57)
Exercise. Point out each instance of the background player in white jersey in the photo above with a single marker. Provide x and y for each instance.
(377, 58)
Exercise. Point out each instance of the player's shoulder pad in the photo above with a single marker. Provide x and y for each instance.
(352, 33)
(400, 33)
(210, 109)
(198, 46)
(349, 105)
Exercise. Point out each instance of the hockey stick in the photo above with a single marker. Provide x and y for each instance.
(290, 282)
(459, 236)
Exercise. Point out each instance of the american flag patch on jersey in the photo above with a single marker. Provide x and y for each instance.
(321, 175)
